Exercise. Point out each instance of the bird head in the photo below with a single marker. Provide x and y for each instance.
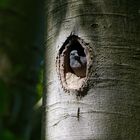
(74, 54)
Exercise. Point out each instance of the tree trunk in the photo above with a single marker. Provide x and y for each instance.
(103, 104)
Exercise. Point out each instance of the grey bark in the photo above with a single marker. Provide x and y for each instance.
(110, 109)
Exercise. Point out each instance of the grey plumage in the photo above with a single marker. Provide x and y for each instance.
(78, 63)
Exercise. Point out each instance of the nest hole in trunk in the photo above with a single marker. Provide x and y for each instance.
(73, 60)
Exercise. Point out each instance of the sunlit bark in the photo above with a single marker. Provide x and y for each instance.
(110, 108)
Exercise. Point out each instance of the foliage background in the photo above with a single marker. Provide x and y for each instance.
(21, 68)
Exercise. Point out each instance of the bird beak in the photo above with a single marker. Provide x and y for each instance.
(76, 57)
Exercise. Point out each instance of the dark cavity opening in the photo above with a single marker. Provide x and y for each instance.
(73, 73)
(75, 45)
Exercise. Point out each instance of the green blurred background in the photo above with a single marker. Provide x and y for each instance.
(21, 69)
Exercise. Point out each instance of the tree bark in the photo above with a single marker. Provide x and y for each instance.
(108, 108)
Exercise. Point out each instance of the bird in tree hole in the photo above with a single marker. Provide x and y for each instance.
(78, 63)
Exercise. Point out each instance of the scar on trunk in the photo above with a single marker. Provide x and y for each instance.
(73, 63)
(78, 113)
